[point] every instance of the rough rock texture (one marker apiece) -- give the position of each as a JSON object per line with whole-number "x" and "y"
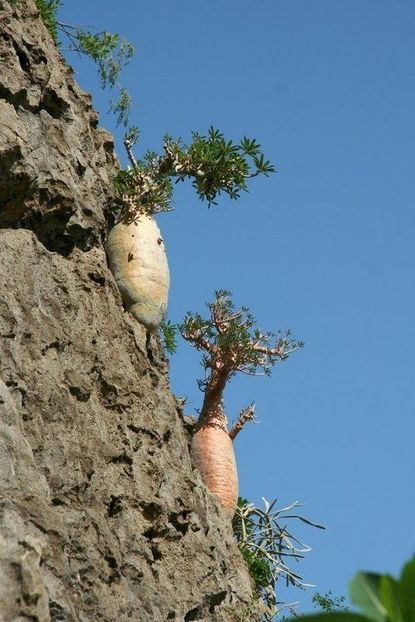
{"x": 55, "y": 165}
{"x": 102, "y": 514}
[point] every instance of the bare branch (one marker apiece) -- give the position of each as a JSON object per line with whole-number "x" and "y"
{"x": 128, "y": 146}
{"x": 246, "y": 414}
{"x": 71, "y": 36}
{"x": 277, "y": 351}
{"x": 235, "y": 316}
{"x": 281, "y": 350}
{"x": 197, "y": 338}
{"x": 250, "y": 372}
{"x": 216, "y": 319}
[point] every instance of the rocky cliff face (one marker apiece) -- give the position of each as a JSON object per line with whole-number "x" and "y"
{"x": 102, "y": 515}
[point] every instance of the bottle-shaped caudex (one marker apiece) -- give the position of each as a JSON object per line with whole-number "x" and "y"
{"x": 138, "y": 261}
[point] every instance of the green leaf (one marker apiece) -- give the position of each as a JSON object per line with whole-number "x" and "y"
{"x": 306, "y": 521}
{"x": 365, "y": 593}
{"x": 48, "y": 10}
{"x": 406, "y": 589}
{"x": 389, "y": 593}
{"x": 169, "y": 331}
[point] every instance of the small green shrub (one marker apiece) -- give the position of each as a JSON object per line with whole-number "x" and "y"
{"x": 48, "y": 12}
{"x": 109, "y": 51}
{"x": 267, "y": 546}
{"x": 168, "y": 333}
{"x": 258, "y": 569}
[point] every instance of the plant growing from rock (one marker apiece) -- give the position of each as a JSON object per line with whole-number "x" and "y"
{"x": 135, "y": 246}
{"x": 231, "y": 344}
{"x": 213, "y": 164}
{"x": 109, "y": 51}
{"x": 267, "y": 547}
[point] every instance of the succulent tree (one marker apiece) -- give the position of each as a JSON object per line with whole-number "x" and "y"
{"x": 214, "y": 165}
{"x": 231, "y": 343}
{"x": 135, "y": 246}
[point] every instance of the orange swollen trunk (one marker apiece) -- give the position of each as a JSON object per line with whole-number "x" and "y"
{"x": 212, "y": 452}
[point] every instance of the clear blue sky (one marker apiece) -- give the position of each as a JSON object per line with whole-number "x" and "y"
{"x": 326, "y": 246}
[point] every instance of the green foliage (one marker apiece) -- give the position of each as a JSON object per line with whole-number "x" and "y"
{"x": 258, "y": 569}
{"x": 266, "y": 545}
{"x": 217, "y": 165}
{"x": 232, "y": 336}
{"x": 169, "y": 331}
{"x": 329, "y": 603}
{"x": 365, "y": 592}
{"x": 48, "y": 13}
{"x": 109, "y": 51}
{"x": 122, "y": 107}
{"x": 143, "y": 188}
{"x": 380, "y": 598}
{"x": 214, "y": 165}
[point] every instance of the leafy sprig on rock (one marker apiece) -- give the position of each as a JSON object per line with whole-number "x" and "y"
{"x": 214, "y": 165}
{"x": 109, "y": 51}
{"x": 268, "y": 548}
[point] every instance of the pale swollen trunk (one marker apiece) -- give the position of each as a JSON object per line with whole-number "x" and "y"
{"x": 212, "y": 450}
{"x": 138, "y": 261}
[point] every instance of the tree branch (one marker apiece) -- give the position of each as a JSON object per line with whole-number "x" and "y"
{"x": 282, "y": 351}
{"x": 248, "y": 372}
{"x": 197, "y": 338}
{"x": 128, "y": 146}
{"x": 217, "y": 321}
{"x": 246, "y": 414}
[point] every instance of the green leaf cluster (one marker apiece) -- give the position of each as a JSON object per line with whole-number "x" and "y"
{"x": 214, "y": 165}
{"x": 111, "y": 53}
{"x": 108, "y": 50}
{"x": 258, "y": 569}
{"x": 122, "y": 107}
{"x": 169, "y": 332}
{"x": 232, "y": 335}
{"x": 217, "y": 165}
{"x": 328, "y": 602}
{"x": 267, "y": 547}
{"x": 143, "y": 189}
{"x": 257, "y": 564}
{"x": 379, "y": 597}
{"x": 48, "y": 13}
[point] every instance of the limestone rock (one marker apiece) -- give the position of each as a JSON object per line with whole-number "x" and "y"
{"x": 55, "y": 165}
{"x": 102, "y": 514}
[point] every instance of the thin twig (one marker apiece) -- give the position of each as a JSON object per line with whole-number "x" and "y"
{"x": 131, "y": 157}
